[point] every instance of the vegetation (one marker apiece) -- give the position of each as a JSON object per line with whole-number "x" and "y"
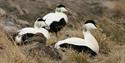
{"x": 110, "y": 34}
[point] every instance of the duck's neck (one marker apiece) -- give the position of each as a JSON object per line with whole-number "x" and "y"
{"x": 58, "y": 12}
{"x": 88, "y": 36}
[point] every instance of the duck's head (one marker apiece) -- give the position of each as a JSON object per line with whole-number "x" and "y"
{"x": 40, "y": 23}
{"x": 90, "y": 24}
{"x": 40, "y": 19}
{"x": 61, "y": 8}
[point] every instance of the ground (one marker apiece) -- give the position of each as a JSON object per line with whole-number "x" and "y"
{"x": 110, "y": 33}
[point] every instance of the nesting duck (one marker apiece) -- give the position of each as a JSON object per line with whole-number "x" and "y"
{"x": 55, "y": 21}
{"x": 87, "y": 45}
{"x": 29, "y": 34}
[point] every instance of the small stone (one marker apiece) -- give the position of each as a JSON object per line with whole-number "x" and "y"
{"x": 2, "y": 12}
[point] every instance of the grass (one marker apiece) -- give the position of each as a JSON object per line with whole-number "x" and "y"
{"x": 109, "y": 51}
{"x": 110, "y": 36}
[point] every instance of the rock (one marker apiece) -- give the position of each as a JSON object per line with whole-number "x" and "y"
{"x": 42, "y": 50}
{"x": 10, "y": 29}
{"x": 8, "y": 25}
{"x": 22, "y": 23}
{"x": 2, "y": 12}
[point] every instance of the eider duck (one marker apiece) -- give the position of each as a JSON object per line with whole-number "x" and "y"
{"x": 88, "y": 45}
{"x": 55, "y": 21}
{"x": 29, "y": 34}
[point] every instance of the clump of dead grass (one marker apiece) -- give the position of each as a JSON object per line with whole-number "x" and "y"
{"x": 103, "y": 41}
{"x": 74, "y": 57}
{"x": 119, "y": 8}
{"x": 109, "y": 51}
{"x": 10, "y": 53}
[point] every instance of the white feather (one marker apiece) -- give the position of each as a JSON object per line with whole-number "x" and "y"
{"x": 57, "y": 16}
{"x": 89, "y": 40}
{"x": 33, "y": 31}
{"x": 51, "y": 17}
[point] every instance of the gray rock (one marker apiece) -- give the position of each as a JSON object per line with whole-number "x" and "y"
{"x": 42, "y": 50}
{"x": 2, "y": 12}
{"x": 22, "y": 23}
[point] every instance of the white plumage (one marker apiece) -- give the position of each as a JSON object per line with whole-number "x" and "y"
{"x": 57, "y": 16}
{"x": 73, "y": 40}
{"x": 55, "y": 21}
{"x": 23, "y": 31}
{"x": 40, "y": 23}
{"x": 88, "y": 41}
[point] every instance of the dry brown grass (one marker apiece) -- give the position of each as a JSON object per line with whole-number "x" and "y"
{"x": 119, "y": 8}
{"x": 109, "y": 53}
{"x": 109, "y": 35}
{"x": 10, "y": 53}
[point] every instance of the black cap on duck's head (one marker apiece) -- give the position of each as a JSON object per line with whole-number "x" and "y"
{"x": 90, "y": 21}
{"x": 40, "y": 19}
{"x": 60, "y": 6}
{"x": 40, "y": 23}
{"x": 90, "y": 24}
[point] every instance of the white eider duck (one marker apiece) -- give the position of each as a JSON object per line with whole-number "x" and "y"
{"x": 87, "y": 45}
{"x": 31, "y": 34}
{"x": 55, "y": 21}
